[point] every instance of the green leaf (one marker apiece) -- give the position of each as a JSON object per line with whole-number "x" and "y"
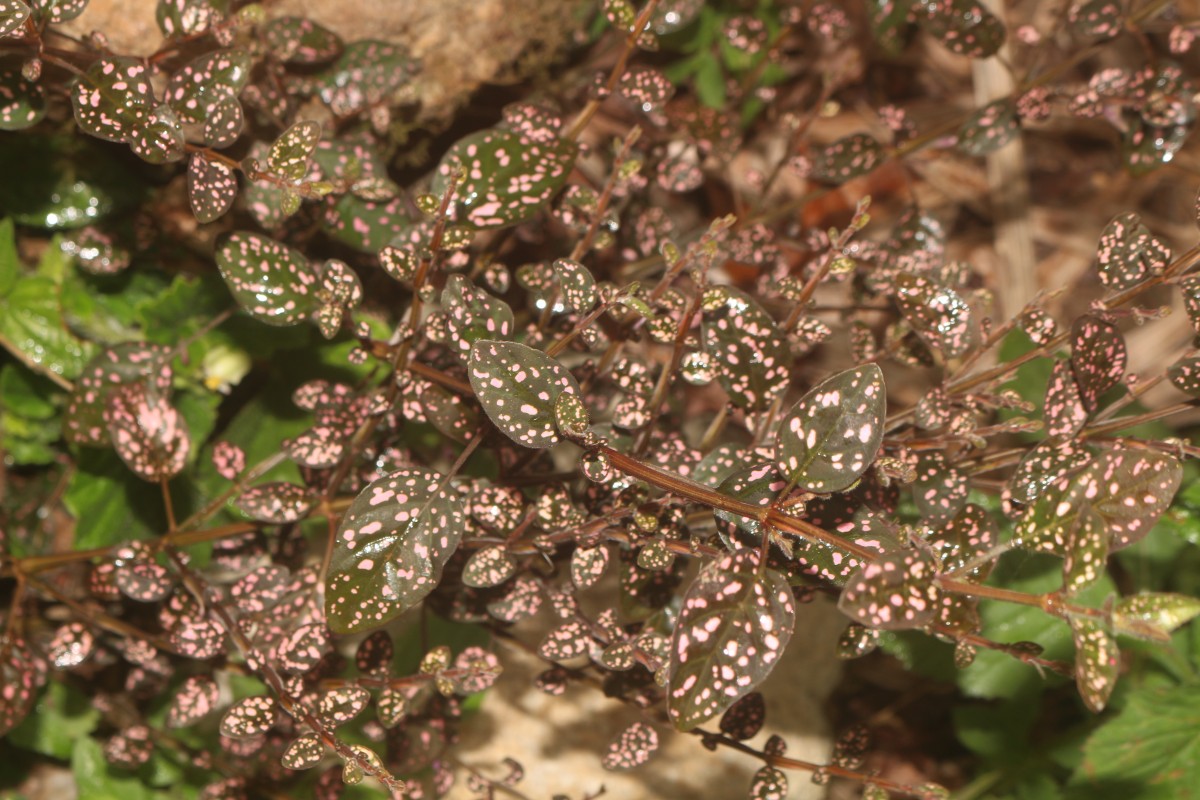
{"x": 747, "y": 347}
{"x": 893, "y": 592}
{"x": 10, "y": 260}
{"x": 889, "y": 20}
{"x": 26, "y": 393}
{"x": 1128, "y": 489}
{"x": 1151, "y": 750}
{"x": 32, "y": 324}
{"x": 268, "y": 279}
{"x": 22, "y": 102}
{"x": 113, "y": 99}
{"x": 1153, "y": 615}
{"x": 299, "y": 40}
{"x": 938, "y": 313}
{"x": 509, "y": 177}
{"x": 390, "y": 549}
{"x": 472, "y": 314}
{"x": 62, "y": 715}
{"x": 96, "y": 779}
{"x": 367, "y": 74}
{"x": 13, "y": 14}
{"x": 735, "y": 623}
{"x": 1184, "y": 375}
{"x": 60, "y": 182}
{"x": 517, "y": 387}
{"x": 289, "y": 154}
{"x": 212, "y": 187}
{"x": 111, "y": 504}
{"x": 1097, "y": 662}
{"x": 831, "y": 436}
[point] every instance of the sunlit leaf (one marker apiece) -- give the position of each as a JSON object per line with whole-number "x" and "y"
{"x": 289, "y": 154}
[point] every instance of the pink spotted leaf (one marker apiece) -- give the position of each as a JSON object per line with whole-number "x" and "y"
{"x": 304, "y": 752}
{"x": 249, "y": 717}
{"x": 1129, "y": 490}
{"x": 339, "y": 293}
{"x": 1063, "y": 407}
{"x": 338, "y": 706}
{"x": 489, "y": 566}
{"x": 577, "y": 284}
{"x": 1128, "y": 253}
{"x": 847, "y": 158}
{"x": 13, "y": 14}
{"x": 270, "y": 280}
{"x": 744, "y": 719}
{"x": 937, "y": 313}
{"x": 279, "y": 502}
{"x": 199, "y": 89}
{"x": 159, "y": 139}
{"x": 1096, "y": 19}
{"x": 198, "y": 638}
{"x": 896, "y": 591}
{"x": 366, "y": 74}
{"x": 22, "y": 102}
{"x": 290, "y": 152}
{"x": 568, "y": 641}
{"x": 390, "y": 549}
{"x": 768, "y": 783}
{"x": 303, "y": 648}
{"x": 142, "y": 580}
{"x": 1184, "y": 375}
{"x": 1190, "y": 287}
{"x": 113, "y": 98}
{"x": 1153, "y": 615}
{"x": 228, "y": 459}
{"x": 130, "y": 748}
{"x": 510, "y": 177}
{"x": 735, "y": 623}
{"x": 71, "y": 645}
{"x": 965, "y": 27}
{"x": 1097, "y": 662}
{"x": 633, "y": 747}
{"x": 940, "y": 490}
{"x": 1098, "y": 358}
{"x": 374, "y": 653}
{"x": 832, "y": 435}
{"x": 517, "y": 386}
{"x": 588, "y": 565}
{"x": 299, "y": 40}
{"x": 522, "y": 600}
{"x": 195, "y": 699}
{"x": 185, "y": 17}
{"x": 1044, "y": 465}
{"x": 149, "y": 434}
{"x": 1086, "y": 557}
{"x": 473, "y": 315}
{"x": 835, "y": 565}
{"x": 989, "y": 128}
{"x": 970, "y": 534}
{"x": 750, "y": 354}
{"x": 212, "y": 187}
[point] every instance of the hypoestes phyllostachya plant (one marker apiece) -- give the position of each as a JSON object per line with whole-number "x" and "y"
{"x": 301, "y": 445}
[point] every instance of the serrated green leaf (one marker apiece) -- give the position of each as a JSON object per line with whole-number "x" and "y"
{"x": 390, "y": 549}
{"x": 268, "y": 279}
{"x": 517, "y": 387}
{"x": 62, "y": 714}
{"x": 831, "y": 436}
{"x": 32, "y": 324}
{"x": 509, "y": 178}
{"x": 735, "y": 623}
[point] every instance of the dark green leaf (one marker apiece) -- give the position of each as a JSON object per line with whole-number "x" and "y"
{"x": 22, "y": 103}
{"x": 889, "y": 20}
{"x": 270, "y": 280}
{"x": 186, "y": 17}
{"x": 19, "y": 675}
{"x": 847, "y": 158}
{"x": 965, "y": 27}
{"x": 13, "y": 14}
{"x": 390, "y": 549}
{"x": 749, "y": 351}
{"x": 517, "y": 387}
{"x": 831, "y": 436}
{"x": 113, "y": 99}
{"x": 1185, "y": 375}
{"x": 1097, "y": 662}
{"x": 989, "y": 128}
{"x": 299, "y": 40}
{"x": 368, "y": 73}
{"x": 509, "y": 178}
{"x": 735, "y": 623}
{"x": 1095, "y": 19}
{"x": 1098, "y": 358}
{"x": 1043, "y": 466}
{"x": 212, "y": 187}
{"x": 938, "y": 313}
{"x": 893, "y": 592}
{"x": 1128, "y": 253}
{"x": 473, "y": 314}
{"x": 1063, "y": 408}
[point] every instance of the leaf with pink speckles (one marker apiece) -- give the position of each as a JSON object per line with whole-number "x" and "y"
{"x": 339, "y": 293}
{"x": 290, "y": 152}
{"x": 744, "y": 719}
{"x": 472, "y": 314}
{"x": 1128, "y": 253}
{"x": 130, "y": 748}
{"x": 71, "y": 646}
{"x": 517, "y": 387}
{"x": 278, "y": 502}
{"x": 1153, "y": 615}
{"x": 768, "y": 783}
{"x": 632, "y": 748}
{"x": 249, "y": 717}
{"x": 522, "y": 600}
{"x": 368, "y": 73}
{"x": 212, "y": 187}
{"x": 22, "y": 102}
{"x": 185, "y": 17}
{"x": 1038, "y": 325}
{"x": 1045, "y": 465}
{"x": 1184, "y": 374}
{"x": 1098, "y": 358}
{"x": 195, "y": 699}
{"x": 750, "y": 354}
{"x": 568, "y": 641}
{"x": 1063, "y": 406}
{"x": 830, "y": 563}
{"x": 965, "y": 27}
{"x": 303, "y": 648}
{"x": 894, "y": 592}
{"x": 299, "y": 40}
{"x": 588, "y": 565}
{"x": 647, "y": 88}
{"x": 270, "y": 280}
{"x": 304, "y": 752}
{"x": 159, "y": 138}
{"x": 198, "y": 638}
{"x": 149, "y": 434}
{"x": 338, "y": 706}
{"x": 142, "y": 580}
{"x": 1190, "y": 287}
{"x": 940, "y": 490}
{"x": 390, "y": 549}
{"x": 577, "y": 284}
{"x": 13, "y": 14}
{"x": 228, "y": 459}
{"x": 832, "y": 435}
{"x": 113, "y": 99}
{"x": 989, "y": 128}
{"x": 937, "y": 313}
{"x": 1129, "y": 489}
{"x": 509, "y": 177}
{"x": 970, "y": 534}
{"x": 1097, "y": 662}
{"x": 735, "y": 622}
{"x": 847, "y": 158}
{"x": 1086, "y": 559}
{"x": 489, "y": 566}
{"x": 1096, "y": 19}
{"x": 20, "y": 681}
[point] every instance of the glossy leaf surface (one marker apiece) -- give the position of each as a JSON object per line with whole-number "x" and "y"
{"x": 517, "y": 386}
